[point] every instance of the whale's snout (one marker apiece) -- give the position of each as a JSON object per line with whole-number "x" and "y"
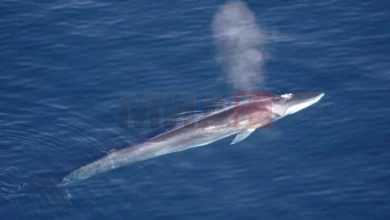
{"x": 299, "y": 101}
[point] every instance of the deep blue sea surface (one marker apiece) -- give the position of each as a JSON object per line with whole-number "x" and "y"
{"x": 64, "y": 66}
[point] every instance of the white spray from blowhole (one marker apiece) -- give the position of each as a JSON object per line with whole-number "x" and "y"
{"x": 240, "y": 44}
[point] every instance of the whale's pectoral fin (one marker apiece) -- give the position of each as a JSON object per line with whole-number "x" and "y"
{"x": 242, "y": 135}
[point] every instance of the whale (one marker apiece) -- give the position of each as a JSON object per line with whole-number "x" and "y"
{"x": 240, "y": 119}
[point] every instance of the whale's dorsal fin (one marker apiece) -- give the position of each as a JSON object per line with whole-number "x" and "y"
{"x": 242, "y": 135}
{"x": 111, "y": 151}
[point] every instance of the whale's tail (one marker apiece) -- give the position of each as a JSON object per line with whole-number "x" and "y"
{"x": 101, "y": 165}
{"x": 112, "y": 161}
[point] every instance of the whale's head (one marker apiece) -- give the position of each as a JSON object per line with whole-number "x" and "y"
{"x": 291, "y": 103}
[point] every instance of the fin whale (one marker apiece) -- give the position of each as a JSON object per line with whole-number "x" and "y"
{"x": 206, "y": 130}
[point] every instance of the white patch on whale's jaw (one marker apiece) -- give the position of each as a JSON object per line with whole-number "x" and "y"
{"x": 278, "y": 110}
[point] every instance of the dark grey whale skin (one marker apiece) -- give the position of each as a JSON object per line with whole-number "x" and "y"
{"x": 203, "y": 131}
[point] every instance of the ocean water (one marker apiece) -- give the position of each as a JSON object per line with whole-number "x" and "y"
{"x": 66, "y": 64}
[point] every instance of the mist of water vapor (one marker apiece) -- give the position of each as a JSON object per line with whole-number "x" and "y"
{"x": 240, "y": 45}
